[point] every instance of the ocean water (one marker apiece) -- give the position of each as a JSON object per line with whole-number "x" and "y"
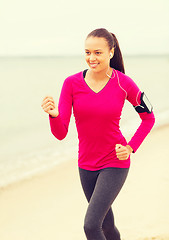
{"x": 27, "y": 146}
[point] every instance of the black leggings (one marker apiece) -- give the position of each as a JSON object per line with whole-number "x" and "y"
{"x": 101, "y": 188}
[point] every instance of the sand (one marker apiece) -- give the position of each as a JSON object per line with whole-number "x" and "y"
{"x": 52, "y": 205}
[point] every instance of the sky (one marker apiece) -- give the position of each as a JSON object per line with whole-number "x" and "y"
{"x": 52, "y": 27}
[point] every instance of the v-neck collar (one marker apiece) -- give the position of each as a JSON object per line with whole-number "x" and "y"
{"x": 84, "y": 73}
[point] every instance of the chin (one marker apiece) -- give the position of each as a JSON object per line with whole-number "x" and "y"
{"x": 97, "y": 69}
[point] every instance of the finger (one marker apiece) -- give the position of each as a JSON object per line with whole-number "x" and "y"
{"x": 48, "y": 97}
{"x": 48, "y": 109}
{"x": 123, "y": 157}
{"x": 46, "y": 105}
{"x": 123, "y": 152}
{"x": 49, "y": 104}
{"x": 122, "y": 149}
{"x": 47, "y": 101}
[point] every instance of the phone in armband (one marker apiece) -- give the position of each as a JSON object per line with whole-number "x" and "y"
{"x": 145, "y": 105}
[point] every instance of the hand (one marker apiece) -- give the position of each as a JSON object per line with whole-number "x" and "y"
{"x": 123, "y": 152}
{"x": 49, "y": 106}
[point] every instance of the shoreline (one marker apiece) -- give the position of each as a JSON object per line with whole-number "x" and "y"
{"x": 51, "y": 204}
{"x": 42, "y": 172}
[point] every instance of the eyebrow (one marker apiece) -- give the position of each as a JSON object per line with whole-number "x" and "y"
{"x": 96, "y": 49}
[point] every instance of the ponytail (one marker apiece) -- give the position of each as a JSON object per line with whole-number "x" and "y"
{"x": 117, "y": 61}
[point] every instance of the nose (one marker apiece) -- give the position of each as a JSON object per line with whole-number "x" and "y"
{"x": 92, "y": 57}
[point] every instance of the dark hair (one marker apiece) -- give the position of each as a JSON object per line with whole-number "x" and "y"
{"x": 117, "y": 61}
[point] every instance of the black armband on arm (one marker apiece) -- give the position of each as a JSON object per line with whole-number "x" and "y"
{"x": 145, "y": 105}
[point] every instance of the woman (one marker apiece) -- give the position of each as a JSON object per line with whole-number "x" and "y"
{"x": 97, "y": 95}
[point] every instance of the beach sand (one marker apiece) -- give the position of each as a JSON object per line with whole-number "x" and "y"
{"x": 52, "y": 205}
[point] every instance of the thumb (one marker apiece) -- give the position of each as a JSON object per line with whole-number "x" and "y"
{"x": 118, "y": 146}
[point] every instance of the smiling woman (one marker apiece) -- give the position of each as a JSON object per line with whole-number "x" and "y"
{"x": 97, "y": 57}
{"x": 101, "y": 58}
{"x": 110, "y": 44}
{"x": 97, "y": 96}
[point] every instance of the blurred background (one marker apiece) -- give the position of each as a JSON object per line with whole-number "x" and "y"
{"x": 42, "y": 43}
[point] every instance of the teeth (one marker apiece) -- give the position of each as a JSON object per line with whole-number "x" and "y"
{"x": 93, "y": 64}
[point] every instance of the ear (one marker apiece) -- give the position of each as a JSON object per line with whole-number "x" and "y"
{"x": 112, "y": 53}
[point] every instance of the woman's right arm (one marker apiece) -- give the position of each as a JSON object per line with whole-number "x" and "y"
{"x": 59, "y": 117}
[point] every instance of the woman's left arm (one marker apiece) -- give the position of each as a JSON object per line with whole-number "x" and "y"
{"x": 135, "y": 97}
{"x": 148, "y": 120}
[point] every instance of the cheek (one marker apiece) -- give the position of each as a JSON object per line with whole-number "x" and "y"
{"x": 86, "y": 57}
{"x": 108, "y": 60}
{"x": 105, "y": 61}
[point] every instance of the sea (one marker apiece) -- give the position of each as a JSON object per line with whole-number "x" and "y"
{"x": 27, "y": 146}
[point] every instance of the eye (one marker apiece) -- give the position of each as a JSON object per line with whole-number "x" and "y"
{"x": 87, "y": 52}
{"x": 98, "y": 53}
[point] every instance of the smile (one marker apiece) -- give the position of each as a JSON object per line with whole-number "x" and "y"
{"x": 94, "y": 65}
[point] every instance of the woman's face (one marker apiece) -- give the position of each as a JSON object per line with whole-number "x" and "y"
{"x": 97, "y": 53}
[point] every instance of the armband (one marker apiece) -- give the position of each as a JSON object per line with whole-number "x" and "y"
{"x": 145, "y": 105}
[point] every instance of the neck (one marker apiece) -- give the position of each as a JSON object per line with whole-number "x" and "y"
{"x": 106, "y": 73}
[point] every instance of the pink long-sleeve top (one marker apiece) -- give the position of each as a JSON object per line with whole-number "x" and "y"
{"x": 97, "y": 117}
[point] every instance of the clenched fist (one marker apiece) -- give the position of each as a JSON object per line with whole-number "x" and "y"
{"x": 49, "y": 106}
{"x": 123, "y": 152}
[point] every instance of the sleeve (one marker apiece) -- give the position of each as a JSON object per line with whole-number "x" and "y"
{"x": 147, "y": 119}
{"x": 59, "y": 125}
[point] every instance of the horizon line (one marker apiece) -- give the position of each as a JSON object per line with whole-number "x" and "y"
{"x": 81, "y": 55}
